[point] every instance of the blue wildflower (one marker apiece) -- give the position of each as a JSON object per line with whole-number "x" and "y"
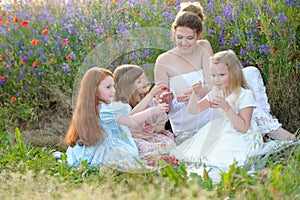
{"x": 66, "y": 68}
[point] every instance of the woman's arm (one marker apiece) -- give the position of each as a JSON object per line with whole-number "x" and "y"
{"x": 160, "y": 72}
{"x": 208, "y": 52}
{"x": 207, "y": 46}
{"x": 161, "y": 75}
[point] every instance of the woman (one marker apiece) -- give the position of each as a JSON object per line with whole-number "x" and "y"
{"x": 188, "y": 63}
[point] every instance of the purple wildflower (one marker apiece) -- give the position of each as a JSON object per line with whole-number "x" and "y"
{"x": 242, "y": 52}
{"x": 66, "y": 69}
{"x": 227, "y": 12}
{"x": 235, "y": 39}
{"x": 264, "y": 49}
{"x": 281, "y": 18}
{"x": 210, "y": 32}
{"x": 218, "y": 20}
{"x": 266, "y": 7}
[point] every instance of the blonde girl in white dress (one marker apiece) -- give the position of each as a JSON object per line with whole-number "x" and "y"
{"x": 233, "y": 135}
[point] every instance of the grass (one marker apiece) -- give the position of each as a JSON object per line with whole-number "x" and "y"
{"x": 29, "y": 172}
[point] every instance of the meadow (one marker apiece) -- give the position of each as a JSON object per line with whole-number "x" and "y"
{"x": 46, "y": 46}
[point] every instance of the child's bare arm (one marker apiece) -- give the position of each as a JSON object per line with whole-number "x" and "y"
{"x": 135, "y": 119}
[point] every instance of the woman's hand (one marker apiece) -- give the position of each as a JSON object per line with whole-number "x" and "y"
{"x": 166, "y": 97}
{"x": 158, "y": 88}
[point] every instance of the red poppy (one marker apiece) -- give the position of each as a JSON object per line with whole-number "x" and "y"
{"x": 35, "y": 64}
{"x": 6, "y": 23}
{"x": 13, "y": 99}
{"x": 34, "y": 42}
{"x": 68, "y": 57}
{"x": 65, "y": 41}
{"x": 24, "y": 23}
{"x": 2, "y": 78}
{"x": 1, "y": 20}
{"x": 23, "y": 60}
{"x": 16, "y": 20}
{"x": 45, "y": 32}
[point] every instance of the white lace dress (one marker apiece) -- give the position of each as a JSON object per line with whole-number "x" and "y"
{"x": 261, "y": 114}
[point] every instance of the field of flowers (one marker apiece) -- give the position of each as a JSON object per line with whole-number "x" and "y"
{"x": 46, "y": 46}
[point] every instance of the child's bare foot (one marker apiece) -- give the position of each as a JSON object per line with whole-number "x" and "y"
{"x": 282, "y": 134}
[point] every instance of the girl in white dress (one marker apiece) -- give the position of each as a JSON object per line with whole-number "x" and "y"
{"x": 233, "y": 134}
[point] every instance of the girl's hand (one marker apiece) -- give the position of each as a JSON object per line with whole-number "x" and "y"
{"x": 219, "y": 102}
{"x": 197, "y": 87}
{"x": 161, "y": 108}
{"x": 147, "y": 128}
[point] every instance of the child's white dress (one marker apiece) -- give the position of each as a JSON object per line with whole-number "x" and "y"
{"x": 218, "y": 143}
{"x": 118, "y": 148}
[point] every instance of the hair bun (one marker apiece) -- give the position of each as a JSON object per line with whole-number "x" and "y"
{"x": 194, "y": 7}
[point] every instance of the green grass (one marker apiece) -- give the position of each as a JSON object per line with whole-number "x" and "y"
{"x": 33, "y": 173}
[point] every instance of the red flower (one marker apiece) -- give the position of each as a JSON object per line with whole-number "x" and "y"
{"x": 274, "y": 49}
{"x": 1, "y": 20}
{"x": 45, "y": 32}
{"x": 23, "y": 60}
{"x": 65, "y": 41}
{"x": 35, "y": 42}
{"x": 2, "y": 78}
{"x": 13, "y": 99}
{"x": 68, "y": 57}
{"x": 6, "y": 23}
{"x": 16, "y": 20}
{"x": 24, "y": 23}
{"x": 35, "y": 64}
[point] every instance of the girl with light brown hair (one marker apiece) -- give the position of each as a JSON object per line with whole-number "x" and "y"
{"x": 150, "y": 136}
{"x": 99, "y": 132}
